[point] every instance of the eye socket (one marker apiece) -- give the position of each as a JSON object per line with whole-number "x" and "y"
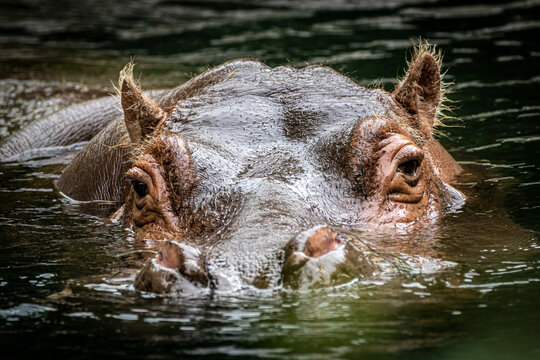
{"x": 407, "y": 185}
{"x": 140, "y": 188}
{"x": 409, "y": 167}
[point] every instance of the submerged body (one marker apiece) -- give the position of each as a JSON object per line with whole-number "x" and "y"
{"x": 248, "y": 175}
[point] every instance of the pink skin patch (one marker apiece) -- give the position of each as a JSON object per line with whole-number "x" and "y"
{"x": 170, "y": 256}
{"x": 321, "y": 242}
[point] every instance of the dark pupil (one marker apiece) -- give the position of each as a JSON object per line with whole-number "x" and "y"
{"x": 409, "y": 167}
{"x": 140, "y": 188}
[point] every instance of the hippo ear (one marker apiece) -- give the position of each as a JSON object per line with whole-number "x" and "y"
{"x": 141, "y": 114}
{"x": 420, "y": 92}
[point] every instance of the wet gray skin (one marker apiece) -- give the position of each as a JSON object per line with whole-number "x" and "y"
{"x": 253, "y": 176}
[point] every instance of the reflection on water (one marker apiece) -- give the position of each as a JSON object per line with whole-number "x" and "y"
{"x": 62, "y": 285}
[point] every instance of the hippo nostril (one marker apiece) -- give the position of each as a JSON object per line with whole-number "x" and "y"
{"x": 178, "y": 267}
{"x": 312, "y": 258}
{"x": 315, "y": 242}
{"x": 321, "y": 242}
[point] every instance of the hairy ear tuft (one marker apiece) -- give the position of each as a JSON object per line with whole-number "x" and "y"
{"x": 141, "y": 113}
{"x": 420, "y": 91}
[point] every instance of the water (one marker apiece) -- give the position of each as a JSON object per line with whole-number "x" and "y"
{"x": 484, "y": 307}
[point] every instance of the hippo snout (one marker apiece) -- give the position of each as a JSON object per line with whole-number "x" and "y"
{"x": 314, "y": 258}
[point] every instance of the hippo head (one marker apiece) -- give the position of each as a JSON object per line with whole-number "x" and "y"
{"x": 244, "y": 166}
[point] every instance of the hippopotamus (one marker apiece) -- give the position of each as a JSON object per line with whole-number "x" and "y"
{"x": 248, "y": 175}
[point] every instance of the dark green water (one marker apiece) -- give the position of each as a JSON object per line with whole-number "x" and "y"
{"x": 485, "y": 307}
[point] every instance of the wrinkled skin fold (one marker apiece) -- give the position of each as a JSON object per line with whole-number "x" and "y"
{"x": 255, "y": 176}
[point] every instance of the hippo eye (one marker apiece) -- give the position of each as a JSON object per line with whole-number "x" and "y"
{"x": 409, "y": 162}
{"x": 139, "y": 187}
{"x": 408, "y": 183}
{"x": 409, "y": 167}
